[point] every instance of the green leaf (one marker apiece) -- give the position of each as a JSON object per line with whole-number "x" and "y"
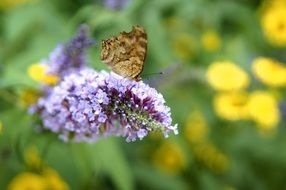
{"x": 154, "y": 179}
{"x": 108, "y": 158}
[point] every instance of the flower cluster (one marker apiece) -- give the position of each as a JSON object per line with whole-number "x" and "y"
{"x": 234, "y": 103}
{"x": 88, "y": 105}
{"x": 67, "y": 58}
{"x": 85, "y": 105}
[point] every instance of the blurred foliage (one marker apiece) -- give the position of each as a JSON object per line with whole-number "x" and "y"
{"x": 231, "y": 137}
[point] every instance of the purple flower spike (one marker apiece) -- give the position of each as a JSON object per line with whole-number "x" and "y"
{"x": 70, "y": 56}
{"x": 88, "y": 105}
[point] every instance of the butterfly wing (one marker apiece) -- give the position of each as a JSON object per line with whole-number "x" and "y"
{"x": 125, "y": 54}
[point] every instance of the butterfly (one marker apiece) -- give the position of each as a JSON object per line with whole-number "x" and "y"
{"x": 126, "y": 53}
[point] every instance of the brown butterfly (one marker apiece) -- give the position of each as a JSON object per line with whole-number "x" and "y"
{"x": 125, "y": 54}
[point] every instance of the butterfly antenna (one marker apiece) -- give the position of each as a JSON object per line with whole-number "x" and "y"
{"x": 150, "y": 74}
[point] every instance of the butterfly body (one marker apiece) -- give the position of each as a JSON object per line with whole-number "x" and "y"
{"x": 125, "y": 54}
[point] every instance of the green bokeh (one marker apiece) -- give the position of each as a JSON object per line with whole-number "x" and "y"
{"x": 29, "y": 31}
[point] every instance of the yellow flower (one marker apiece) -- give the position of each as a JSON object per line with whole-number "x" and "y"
{"x": 45, "y": 179}
{"x": 211, "y": 41}
{"x": 273, "y": 22}
{"x": 27, "y": 181}
{"x": 32, "y": 158}
{"x": 48, "y": 180}
{"x": 196, "y": 128}
{"x": 183, "y": 46}
{"x": 170, "y": 158}
{"x": 270, "y": 72}
{"x": 38, "y": 73}
{"x": 210, "y": 156}
{"x": 54, "y": 181}
{"x": 226, "y": 76}
{"x": 8, "y": 4}
{"x": 263, "y": 109}
{"x": 231, "y": 106}
{"x": 29, "y": 97}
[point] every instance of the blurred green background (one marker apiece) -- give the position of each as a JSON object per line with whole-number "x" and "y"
{"x": 224, "y": 79}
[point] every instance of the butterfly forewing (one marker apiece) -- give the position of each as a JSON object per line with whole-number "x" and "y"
{"x": 125, "y": 54}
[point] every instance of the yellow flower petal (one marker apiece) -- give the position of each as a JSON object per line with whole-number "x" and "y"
{"x": 273, "y": 22}
{"x": 231, "y": 106}
{"x": 49, "y": 179}
{"x": 226, "y": 76}
{"x": 270, "y": 72}
{"x": 54, "y": 181}
{"x": 38, "y": 73}
{"x": 27, "y": 181}
{"x": 263, "y": 108}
